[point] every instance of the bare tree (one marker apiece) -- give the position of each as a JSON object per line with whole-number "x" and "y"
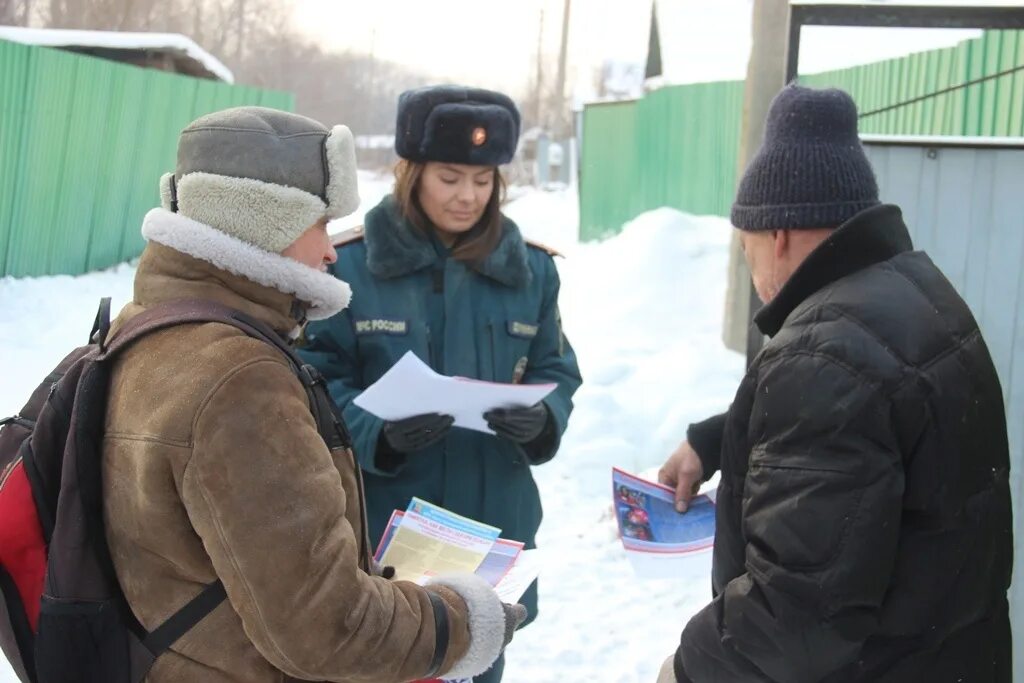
{"x": 349, "y": 88}
{"x": 15, "y": 12}
{"x": 255, "y": 39}
{"x": 112, "y": 15}
{"x": 544, "y": 104}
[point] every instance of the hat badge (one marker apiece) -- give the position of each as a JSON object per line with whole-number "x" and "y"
{"x": 479, "y": 136}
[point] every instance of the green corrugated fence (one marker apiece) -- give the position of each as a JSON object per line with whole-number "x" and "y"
{"x": 678, "y": 146}
{"x": 83, "y": 142}
{"x": 675, "y": 147}
{"x": 991, "y": 108}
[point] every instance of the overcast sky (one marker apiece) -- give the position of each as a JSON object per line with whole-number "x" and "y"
{"x": 493, "y": 43}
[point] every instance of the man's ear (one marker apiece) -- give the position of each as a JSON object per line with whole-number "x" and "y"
{"x": 780, "y": 242}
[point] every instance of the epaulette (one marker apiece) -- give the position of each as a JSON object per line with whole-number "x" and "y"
{"x": 348, "y": 237}
{"x": 551, "y": 251}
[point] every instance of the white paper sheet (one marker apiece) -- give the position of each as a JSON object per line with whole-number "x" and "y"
{"x": 524, "y": 572}
{"x": 411, "y": 388}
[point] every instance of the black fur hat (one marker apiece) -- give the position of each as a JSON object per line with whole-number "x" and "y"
{"x": 458, "y": 125}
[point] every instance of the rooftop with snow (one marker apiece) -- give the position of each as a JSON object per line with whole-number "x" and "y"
{"x": 166, "y": 51}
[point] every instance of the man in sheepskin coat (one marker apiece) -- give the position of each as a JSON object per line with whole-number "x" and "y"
{"x": 213, "y": 465}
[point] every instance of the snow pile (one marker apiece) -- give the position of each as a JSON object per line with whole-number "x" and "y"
{"x": 42, "y": 319}
{"x": 643, "y": 311}
{"x": 550, "y": 218}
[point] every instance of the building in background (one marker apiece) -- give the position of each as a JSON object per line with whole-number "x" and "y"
{"x": 170, "y": 52}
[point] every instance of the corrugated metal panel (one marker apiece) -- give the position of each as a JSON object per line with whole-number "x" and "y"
{"x": 995, "y": 107}
{"x": 607, "y": 168}
{"x": 678, "y": 146}
{"x": 962, "y": 206}
{"x": 14, "y": 61}
{"x": 688, "y": 139}
{"x": 83, "y": 143}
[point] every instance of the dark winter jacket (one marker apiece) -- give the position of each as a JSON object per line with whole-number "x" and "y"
{"x": 498, "y": 322}
{"x": 864, "y": 526}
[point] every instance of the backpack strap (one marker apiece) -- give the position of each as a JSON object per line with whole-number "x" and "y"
{"x": 179, "y": 623}
{"x": 101, "y": 326}
{"x": 162, "y": 316}
{"x": 186, "y": 311}
{"x": 328, "y": 419}
{"x": 329, "y": 423}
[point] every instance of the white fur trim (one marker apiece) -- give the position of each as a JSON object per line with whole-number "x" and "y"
{"x": 165, "y": 190}
{"x": 325, "y": 293}
{"x": 486, "y": 624}
{"x": 263, "y": 214}
{"x": 342, "y": 183}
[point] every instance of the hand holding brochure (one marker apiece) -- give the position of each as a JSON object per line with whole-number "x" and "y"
{"x": 655, "y": 536}
{"x": 427, "y": 540}
{"x": 411, "y": 388}
{"x": 430, "y": 541}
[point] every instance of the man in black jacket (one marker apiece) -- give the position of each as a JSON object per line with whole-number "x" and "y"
{"x": 864, "y": 525}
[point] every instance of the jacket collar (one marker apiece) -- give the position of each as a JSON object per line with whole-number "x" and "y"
{"x": 395, "y": 248}
{"x": 872, "y": 236}
{"x": 250, "y": 272}
{"x": 165, "y": 274}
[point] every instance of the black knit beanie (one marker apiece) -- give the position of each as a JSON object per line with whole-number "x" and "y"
{"x": 811, "y": 171}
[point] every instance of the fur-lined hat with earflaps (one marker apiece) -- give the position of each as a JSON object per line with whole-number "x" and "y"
{"x": 248, "y": 182}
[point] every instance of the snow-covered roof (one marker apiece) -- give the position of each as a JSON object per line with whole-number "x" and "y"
{"x": 116, "y": 40}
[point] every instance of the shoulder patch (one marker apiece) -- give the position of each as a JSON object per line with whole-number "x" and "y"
{"x": 551, "y": 251}
{"x": 348, "y": 237}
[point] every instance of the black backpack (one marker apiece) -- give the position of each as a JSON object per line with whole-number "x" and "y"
{"x": 64, "y": 617}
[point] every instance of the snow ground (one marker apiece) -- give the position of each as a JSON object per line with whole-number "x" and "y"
{"x": 643, "y": 311}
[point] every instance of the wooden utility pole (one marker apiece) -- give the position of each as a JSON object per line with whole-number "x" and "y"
{"x": 653, "y": 67}
{"x": 560, "y": 99}
{"x": 240, "y": 20}
{"x": 371, "y": 94}
{"x": 766, "y": 74}
{"x": 538, "y": 86}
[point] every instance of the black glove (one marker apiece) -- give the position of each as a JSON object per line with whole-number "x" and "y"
{"x": 417, "y": 432}
{"x": 521, "y": 425}
{"x": 514, "y": 615}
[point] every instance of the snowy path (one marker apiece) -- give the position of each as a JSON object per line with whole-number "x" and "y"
{"x": 643, "y": 311}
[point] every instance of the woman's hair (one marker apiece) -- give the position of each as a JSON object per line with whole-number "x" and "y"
{"x": 477, "y": 244}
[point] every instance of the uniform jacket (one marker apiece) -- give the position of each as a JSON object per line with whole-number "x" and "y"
{"x": 498, "y": 321}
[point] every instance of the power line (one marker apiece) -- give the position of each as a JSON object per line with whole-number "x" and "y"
{"x": 938, "y": 93}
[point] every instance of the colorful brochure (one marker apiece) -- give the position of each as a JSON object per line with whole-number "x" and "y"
{"x": 426, "y": 540}
{"x": 430, "y": 541}
{"x": 504, "y": 564}
{"x": 650, "y": 528}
